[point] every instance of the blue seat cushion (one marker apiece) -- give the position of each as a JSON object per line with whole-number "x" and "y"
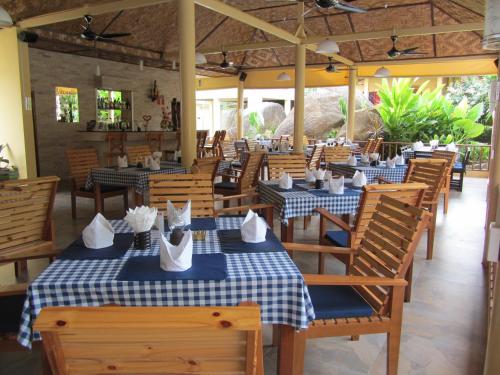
{"x": 338, "y": 301}
{"x": 458, "y": 165}
{"x": 225, "y": 185}
{"x": 11, "y": 308}
{"x": 337, "y": 237}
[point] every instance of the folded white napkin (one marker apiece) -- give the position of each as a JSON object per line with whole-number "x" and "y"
{"x": 352, "y": 161}
{"x": 98, "y": 234}
{"x": 319, "y": 174}
{"x": 154, "y": 164}
{"x": 374, "y": 156}
{"x": 434, "y": 143}
{"x": 310, "y": 177}
{"x": 160, "y": 222}
{"x": 451, "y": 147}
{"x": 359, "y": 179}
{"x": 336, "y": 185}
{"x": 285, "y": 181}
{"x": 173, "y": 213}
{"x": 365, "y": 158}
{"x": 157, "y": 155}
{"x": 254, "y": 228}
{"x": 390, "y": 163}
{"x": 141, "y": 219}
{"x": 122, "y": 161}
{"x": 400, "y": 160}
{"x": 417, "y": 146}
{"x": 176, "y": 258}
{"x": 328, "y": 175}
{"x": 177, "y": 154}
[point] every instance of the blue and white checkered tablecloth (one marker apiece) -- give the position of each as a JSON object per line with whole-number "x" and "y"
{"x": 302, "y": 203}
{"x": 270, "y": 279}
{"x": 395, "y": 175}
{"x": 136, "y": 178}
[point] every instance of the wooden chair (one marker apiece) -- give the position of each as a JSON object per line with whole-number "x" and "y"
{"x": 245, "y": 179}
{"x": 152, "y": 340}
{"x": 26, "y": 230}
{"x": 228, "y": 151}
{"x": 460, "y": 168}
{"x": 177, "y": 145}
{"x": 201, "y": 138}
{"x": 206, "y": 165}
{"x": 450, "y": 157}
{"x": 337, "y": 154}
{"x": 431, "y": 172}
{"x": 316, "y": 157}
{"x": 115, "y": 146}
{"x": 293, "y": 164}
{"x": 154, "y": 140}
{"x": 211, "y": 148}
{"x": 370, "y": 299}
{"x": 81, "y": 161}
{"x": 137, "y": 154}
{"x": 376, "y": 145}
{"x": 241, "y": 147}
{"x": 366, "y": 148}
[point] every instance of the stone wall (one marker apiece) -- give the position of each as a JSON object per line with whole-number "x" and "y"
{"x": 50, "y": 69}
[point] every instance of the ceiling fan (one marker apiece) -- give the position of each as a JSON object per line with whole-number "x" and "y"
{"x": 328, "y": 4}
{"x": 225, "y": 64}
{"x": 395, "y": 52}
{"x": 332, "y": 68}
{"x": 92, "y": 36}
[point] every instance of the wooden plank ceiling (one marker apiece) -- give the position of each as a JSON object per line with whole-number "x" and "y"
{"x": 154, "y": 31}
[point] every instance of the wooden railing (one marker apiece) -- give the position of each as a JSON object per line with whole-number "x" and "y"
{"x": 479, "y": 157}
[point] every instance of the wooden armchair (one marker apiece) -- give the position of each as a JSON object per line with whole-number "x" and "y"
{"x": 431, "y": 172}
{"x": 206, "y": 165}
{"x": 152, "y": 340}
{"x": 316, "y": 157}
{"x": 81, "y": 161}
{"x": 293, "y": 164}
{"x": 244, "y": 179}
{"x": 370, "y": 299}
{"x": 376, "y": 145}
{"x": 366, "y": 148}
{"x": 26, "y": 230}
{"x": 460, "y": 168}
{"x": 211, "y": 148}
{"x": 201, "y": 138}
{"x": 177, "y": 145}
{"x": 137, "y": 154}
{"x": 337, "y": 154}
{"x": 450, "y": 157}
{"x": 154, "y": 140}
{"x": 116, "y": 146}
{"x": 241, "y": 147}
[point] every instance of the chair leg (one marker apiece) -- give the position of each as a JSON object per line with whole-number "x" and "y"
{"x": 307, "y": 220}
{"x": 321, "y": 263}
{"x": 409, "y": 279}
{"x": 431, "y": 232}
{"x": 21, "y": 269}
{"x": 446, "y": 200}
{"x": 291, "y": 351}
{"x": 276, "y": 335}
{"x": 125, "y": 200}
{"x": 73, "y": 205}
{"x": 394, "y": 333}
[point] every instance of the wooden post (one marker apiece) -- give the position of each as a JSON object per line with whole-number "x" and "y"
{"x": 351, "y": 104}
{"x": 186, "y": 22}
{"x": 239, "y": 116}
{"x": 300, "y": 80}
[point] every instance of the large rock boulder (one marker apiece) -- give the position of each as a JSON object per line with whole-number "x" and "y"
{"x": 269, "y": 114}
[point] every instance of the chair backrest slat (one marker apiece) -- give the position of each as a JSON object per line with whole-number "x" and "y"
{"x": 431, "y": 172}
{"x": 315, "y": 158}
{"x": 25, "y": 211}
{"x": 206, "y": 165}
{"x": 376, "y": 145}
{"x": 228, "y": 151}
{"x": 368, "y": 146}
{"x": 152, "y": 340}
{"x": 250, "y": 171}
{"x": 180, "y": 188}
{"x": 337, "y": 154}
{"x": 382, "y": 255}
{"x": 137, "y": 154}
{"x": 293, "y": 164}
{"x": 81, "y": 161}
{"x": 449, "y": 156}
{"x": 154, "y": 140}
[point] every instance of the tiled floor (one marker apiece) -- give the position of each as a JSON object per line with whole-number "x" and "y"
{"x": 444, "y": 325}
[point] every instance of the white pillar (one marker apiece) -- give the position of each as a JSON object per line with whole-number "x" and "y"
{"x": 239, "y": 113}
{"x": 351, "y": 103}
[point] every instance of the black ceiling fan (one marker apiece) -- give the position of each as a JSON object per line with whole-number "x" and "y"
{"x": 92, "y": 36}
{"x": 225, "y": 64}
{"x": 332, "y": 68}
{"x": 329, "y": 4}
{"x": 395, "y": 52}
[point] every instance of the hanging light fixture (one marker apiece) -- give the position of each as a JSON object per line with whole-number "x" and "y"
{"x": 328, "y": 46}
{"x": 141, "y": 65}
{"x": 382, "y": 72}
{"x": 98, "y": 70}
{"x": 200, "y": 58}
{"x": 491, "y": 39}
{"x": 283, "y": 77}
{"x": 174, "y": 65}
{"x": 5, "y": 19}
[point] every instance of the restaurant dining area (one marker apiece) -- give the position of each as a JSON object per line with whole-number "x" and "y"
{"x": 250, "y": 187}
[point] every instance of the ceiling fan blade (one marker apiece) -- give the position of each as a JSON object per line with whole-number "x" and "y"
{"x": 349, "y": 8}
{"x": 413, "y": 53}
{"x": 409, "y": 50}
{"x": 114, "y": 35}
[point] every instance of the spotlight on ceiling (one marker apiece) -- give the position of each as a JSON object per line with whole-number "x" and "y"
{"x": 328, "y": 46}
{"x": 382, "y": 72}
{"x": 283, "y": 77}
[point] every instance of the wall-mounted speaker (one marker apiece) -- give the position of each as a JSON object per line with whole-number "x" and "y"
{"x": 243, "y": 76}
{"x": 27, "y": 37}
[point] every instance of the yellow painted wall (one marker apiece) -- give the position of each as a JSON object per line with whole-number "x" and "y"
{"x": 16, "y": 122}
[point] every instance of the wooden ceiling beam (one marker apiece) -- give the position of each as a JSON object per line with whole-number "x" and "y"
{"x": 240, "y": 16}
{"x": 475, "y": 6}
{"x": 94, "y": 10}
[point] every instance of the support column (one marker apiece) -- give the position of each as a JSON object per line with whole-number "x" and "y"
{"x": 186, "y": 22}
{"x": 351, "y": 103}
{"x": 240, "y": 108}
{"x": 300, "y": 81}
{"x": 16, "y": 117}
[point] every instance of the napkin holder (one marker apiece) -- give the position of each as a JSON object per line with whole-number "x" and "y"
{"x": 142, "y": 241}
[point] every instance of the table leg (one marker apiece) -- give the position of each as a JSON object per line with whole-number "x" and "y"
{"x": 291, "y": 351}
{"x": 98, "y": 198}
{"x": 138, "y": 199}
{"x": 287, "y": 231}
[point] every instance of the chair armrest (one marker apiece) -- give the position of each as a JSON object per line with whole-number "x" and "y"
{"x": 310, "y": 248}
{"x": 312, "y": 279}
{"x": 239, "y": 196}
{"x": 257, "y": 206}
{"x": 229, "y": 175}
{"x": 383, "y": 180}
{"x": 13, "y": 289}
{"x": 334, "y": 219}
